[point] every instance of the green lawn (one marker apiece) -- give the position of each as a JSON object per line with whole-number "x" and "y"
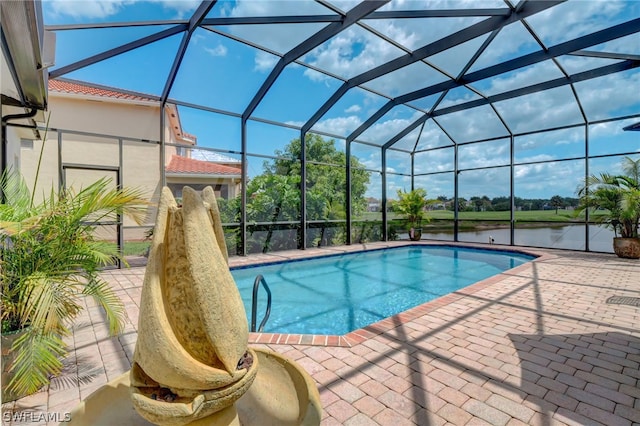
{"x": 525, "y": 216}
{"x": 521, "y": 216}
{"x": 474, "y": 219}
{"x": 136, "y": 248}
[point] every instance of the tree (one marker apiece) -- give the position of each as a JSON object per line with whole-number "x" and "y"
{"x": 274, "y": 195}
{"x": 617, "y": 197}
{"x": 557, "y": 201}
{"x": 411, "y": 205}
{"x": 326, "y": 184}
{"x": 462, "y": 204}
{"x": 501, "y": 203}
{"x": 50, "y": 261}
{"x": 482, "y": 203}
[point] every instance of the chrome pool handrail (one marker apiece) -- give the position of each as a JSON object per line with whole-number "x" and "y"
{"x": 254, "y": 305}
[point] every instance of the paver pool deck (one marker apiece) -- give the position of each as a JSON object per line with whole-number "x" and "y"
{"x": 555, "y": 341}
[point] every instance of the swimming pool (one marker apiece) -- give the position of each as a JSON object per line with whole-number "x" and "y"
{"x": 341, "y": 293}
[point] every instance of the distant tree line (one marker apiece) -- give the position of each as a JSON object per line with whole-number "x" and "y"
{"x": 503, "y": 203}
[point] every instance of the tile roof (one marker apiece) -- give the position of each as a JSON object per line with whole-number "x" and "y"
{"x": 64, "y": 86}
{"x": 179, "y": 164}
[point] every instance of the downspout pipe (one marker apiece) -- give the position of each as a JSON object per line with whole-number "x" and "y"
{"x": 5, "y": 120}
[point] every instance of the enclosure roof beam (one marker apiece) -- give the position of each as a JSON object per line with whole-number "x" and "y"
{"x": 602, "y": 36}
{"x": 606, "y": 55}
{"x": 194, "y": 22}
{"x": 551, "y": 84}
{"x": 387, "y": 106}
{"x": 452, "y": 40}
{"x": 539, "y": 87}
{"x": 118, "y": 50}
{"x": 103, "y": 25}
{"x": 632, "y": 128}
{"x": 352, "y": 17}
{"x": 291, "y": 19}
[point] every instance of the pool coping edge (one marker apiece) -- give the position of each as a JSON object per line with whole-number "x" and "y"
{"x": 370, "y": 331}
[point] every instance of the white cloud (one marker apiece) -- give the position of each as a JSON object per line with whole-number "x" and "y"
{"x": 613, "y": 130}
{"x": 342, "y": 126}
{"x": 548, "y": 109}
{"x": 602, "y": 97}
{"x": 438, "y": 160}
{"x": 264, "y": 61}
{"x": 382, "y": 131}
{"x": 182, "y": 8}
{"x": 512, "y": 41}
{"x": 88, "y": 9}
{"x": 274, "y": 8}
{"x": 547, "y": 179}
{"x": 280, "y": 37}
{"x": 219, "y": 50}
{"x": 407, "y": 79}
{"x": 574, "y": 19}
{"x": 473, "y": 124}
{"x": 528, "y": 76}
{"x": 576, "y": 64}
{"x": 493, "y": 153}
{"x": 100, "y": 9}
{"x": 372, "y": 162}
{"x": 353, "y": 108}
{"x": 545, "y": 146}
{"x": 351, "y": 52}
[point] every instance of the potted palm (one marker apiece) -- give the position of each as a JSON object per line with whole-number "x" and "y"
{"x": 50, "y": 260}
{"x": 411, "y": 206}
{"x": 615, "y": 200}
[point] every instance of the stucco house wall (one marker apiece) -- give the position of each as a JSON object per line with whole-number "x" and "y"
{"x": 89, "y": 124}
{"x": 71, "y": 117}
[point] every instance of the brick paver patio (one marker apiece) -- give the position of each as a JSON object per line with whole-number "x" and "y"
{"x": 536, "y": 345}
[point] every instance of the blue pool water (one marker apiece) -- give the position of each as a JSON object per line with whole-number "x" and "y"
{"x": 339, "y": 294}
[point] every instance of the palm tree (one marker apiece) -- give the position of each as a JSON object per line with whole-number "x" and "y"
{"x": 618, "y": 196}
{"x": 50, "y": 260}
{"x": 557, "y": 202}
{"x": 411, "y": 205}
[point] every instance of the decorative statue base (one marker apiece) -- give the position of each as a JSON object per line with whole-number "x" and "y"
{"x": 191, "y": 363}
{"x": 281, "y": 394}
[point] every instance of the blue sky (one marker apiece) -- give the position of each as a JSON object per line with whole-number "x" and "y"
{"x": 219, "y": 72}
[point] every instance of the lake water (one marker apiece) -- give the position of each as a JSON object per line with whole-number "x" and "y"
{"x": 564, "y": 237}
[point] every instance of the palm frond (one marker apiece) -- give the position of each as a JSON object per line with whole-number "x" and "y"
{"x": 617, "y": 196}
{"x": 97, "y": 202}
{"x": 51, "y": 259}
{"x": 37, "y": 359}
{"x": 105, "y": 297}
{"x": 49, "y": 302}
{"x": 631, "y": 168}
{"x": 17, "y": 204}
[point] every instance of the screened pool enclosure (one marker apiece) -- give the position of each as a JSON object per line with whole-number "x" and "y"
{"x": 498, "y": 109}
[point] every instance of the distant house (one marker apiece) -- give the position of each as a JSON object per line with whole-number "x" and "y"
{"x": 204, "y": 169}
{"x": 373, "y": 204}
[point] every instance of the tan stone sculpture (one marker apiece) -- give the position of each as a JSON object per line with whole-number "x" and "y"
{"x": 191, "y": 363}
{"x": 192, "y": 331}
